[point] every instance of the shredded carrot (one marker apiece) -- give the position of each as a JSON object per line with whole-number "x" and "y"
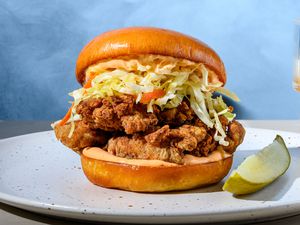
{"x": 88, "y": 84}
{"x": 147, "y": 97}
{"x": 67, "y": 116}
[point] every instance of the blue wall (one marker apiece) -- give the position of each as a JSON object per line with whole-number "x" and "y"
{"x": 40, "y": 41}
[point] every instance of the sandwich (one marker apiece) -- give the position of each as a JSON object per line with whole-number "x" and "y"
{"x": 150, "y": 116}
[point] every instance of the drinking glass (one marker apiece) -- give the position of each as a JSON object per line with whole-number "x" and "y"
{"x": 296, "y": 78}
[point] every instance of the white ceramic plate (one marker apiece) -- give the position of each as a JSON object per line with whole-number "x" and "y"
{"x": 39, "y": 174}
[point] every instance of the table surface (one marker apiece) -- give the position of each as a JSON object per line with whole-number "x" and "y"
{"x": 12, "y": 215}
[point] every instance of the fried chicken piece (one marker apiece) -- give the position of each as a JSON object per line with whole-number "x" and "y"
{"x": 177, "y": 116}
{"x": 233, "y": 129}
{"x": 207, "y": 145}
{"x": 116, "y": 113}
{"x": 138, "y": 122}
{"x": 185, "y": 137}
{"x": 106, "y": 119}
{"x": 104, "y": 113}
{"x": 86, "y": 108}
{"x": 137, "y": 148}
{"x": 160, "y": 137}
{"x": 82, "y": 136}
{"x": 235, "y": 136}
{"x": 190, "y": 136}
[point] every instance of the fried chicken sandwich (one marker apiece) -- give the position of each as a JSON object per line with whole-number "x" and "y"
{"x": 146, "y": 119}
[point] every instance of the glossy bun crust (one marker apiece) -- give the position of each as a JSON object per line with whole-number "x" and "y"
{"x": 147, "y": 40}
{"x": 153, "y": 178}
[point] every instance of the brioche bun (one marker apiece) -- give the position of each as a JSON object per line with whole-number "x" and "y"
{"x": 147, "y": 40}
{"x": 151, "y": 175}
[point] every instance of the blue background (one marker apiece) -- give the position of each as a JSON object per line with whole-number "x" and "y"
{"x": 40, "y": 41}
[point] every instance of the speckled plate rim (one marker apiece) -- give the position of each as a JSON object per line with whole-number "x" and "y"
{"x": 256, "y": 213}
{"x": 261, "y": 213}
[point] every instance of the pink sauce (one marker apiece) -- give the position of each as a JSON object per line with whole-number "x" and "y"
{"x": 100, "y": 154}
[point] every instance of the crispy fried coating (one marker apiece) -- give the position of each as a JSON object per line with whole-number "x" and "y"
{"x": 127, "y": 130}
{"x": 82, "y": 136}
{"x": 136, "y": 147}
{"x": 116, "y": 113}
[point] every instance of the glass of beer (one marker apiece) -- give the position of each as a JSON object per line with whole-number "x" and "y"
{"x": 296, "y": 78}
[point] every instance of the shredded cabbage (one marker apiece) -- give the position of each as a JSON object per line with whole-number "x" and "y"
{"x": 178, "y": 79}
{"x": 228, "y": 93}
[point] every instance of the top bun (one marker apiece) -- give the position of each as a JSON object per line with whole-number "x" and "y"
{"x": 147, "y": 40}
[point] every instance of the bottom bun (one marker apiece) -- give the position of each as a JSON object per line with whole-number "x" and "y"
{"x": 150, "y": 175}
